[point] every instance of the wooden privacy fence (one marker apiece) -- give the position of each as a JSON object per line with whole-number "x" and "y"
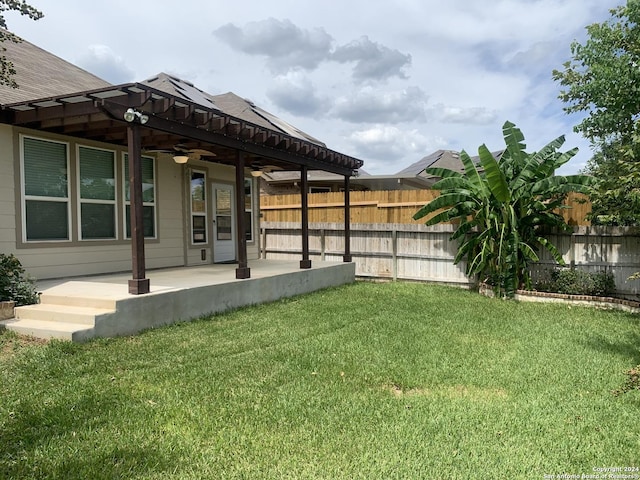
{"x": 373, "y": 207}
{"x": 416, "y": 252}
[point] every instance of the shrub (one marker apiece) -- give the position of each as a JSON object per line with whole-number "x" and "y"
{"x": 577, "y": 282}
{"x": 15, "y": 284}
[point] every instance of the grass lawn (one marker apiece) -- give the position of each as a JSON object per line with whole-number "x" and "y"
{"x": 367, "y": 381}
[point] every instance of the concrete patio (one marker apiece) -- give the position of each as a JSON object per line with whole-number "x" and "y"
{"x": 82, "y": 308}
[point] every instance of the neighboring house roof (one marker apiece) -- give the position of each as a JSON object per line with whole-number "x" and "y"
{"x": 229, "y": 103}
{"x": 371, "y": 182}
{"x": 442, "y": 159}
{"x": 41, "y": 74}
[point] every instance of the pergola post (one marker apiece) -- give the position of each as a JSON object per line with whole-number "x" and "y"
{"x": 139, "y": 284}
{"x": 304, "y": 190}
{"x": 347, "y": 221}
{"x": 243, "y": 271}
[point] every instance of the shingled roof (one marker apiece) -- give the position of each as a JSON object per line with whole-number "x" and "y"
{"x": 229, "y": 103}
{"x": 41, "y": 74}
{"x": 449, "y": 159}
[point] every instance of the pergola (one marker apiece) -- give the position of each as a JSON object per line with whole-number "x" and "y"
{"x": 143, "y": 118}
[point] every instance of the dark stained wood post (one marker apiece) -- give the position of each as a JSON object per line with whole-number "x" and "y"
{"x": 243, "y": 271}
{"x": 347, "y": 221}
{"x": 139, "y": 284}
{"x": 304, "y": 190}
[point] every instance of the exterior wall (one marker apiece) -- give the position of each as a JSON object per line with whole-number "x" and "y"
{"x": 7, "y": 191}
{"x": 171, "y": 248}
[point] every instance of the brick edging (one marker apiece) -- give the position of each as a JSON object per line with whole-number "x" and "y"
{"x": 595, "y": 301}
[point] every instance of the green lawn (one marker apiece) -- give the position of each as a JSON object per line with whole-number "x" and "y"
{"x": 367, "y": 381}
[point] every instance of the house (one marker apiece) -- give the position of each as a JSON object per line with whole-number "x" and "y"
{"x": 413, "y": 177}
{"x": 274, "y": 182}
{"x": 101, "y": 178}
{"x": 449, "y": 159}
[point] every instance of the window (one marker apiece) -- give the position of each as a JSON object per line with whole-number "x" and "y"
{"x": 198, "y": 207}
{"x": 248, "y": 209}
{"x": 97, "y": 189}
{"x": 46, "y": 190}
{"x": 148, "y": 197}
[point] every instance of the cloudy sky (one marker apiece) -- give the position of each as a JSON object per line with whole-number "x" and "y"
{"x": 385, "y": 81}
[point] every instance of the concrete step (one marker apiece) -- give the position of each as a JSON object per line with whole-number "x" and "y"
{"x": 45, "y": 329}
{"x": 62, "y": 313}
{"x": 77, "y": 301}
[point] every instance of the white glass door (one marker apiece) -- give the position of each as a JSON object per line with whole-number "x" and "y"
{"x": 224, "y": 221}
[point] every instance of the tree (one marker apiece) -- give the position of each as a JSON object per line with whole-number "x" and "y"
{"x": 603, "y": 80}
{"x": 500, "y": 210}
{"x": 7, "y": 69}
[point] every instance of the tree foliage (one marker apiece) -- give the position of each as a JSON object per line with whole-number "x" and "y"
{"x": 7, "y": 69}
{"x": 501, "y": 208}
{"x": 603, "y": 80}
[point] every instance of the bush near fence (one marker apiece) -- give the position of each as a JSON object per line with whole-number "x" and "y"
{"x": 373, "y": 207}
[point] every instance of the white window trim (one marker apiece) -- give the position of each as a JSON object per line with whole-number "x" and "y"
{"x": 96, "y": 201}
{"x": 126, "y": 202}
{"x": 26, "y": 197}
{"x": 251, "y": 227}
{"x": 198, "y": 214}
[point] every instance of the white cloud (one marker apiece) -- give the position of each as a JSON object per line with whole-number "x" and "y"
{"x": 373, "y": 61}
{"x": 284, "y": 44}
{"x": 106, "y": 64}
{"x": 465, "y": 115}
{"x": 382, "y": 145}
{"x": 371, "y": 105}
{"x": 296, "y": 94}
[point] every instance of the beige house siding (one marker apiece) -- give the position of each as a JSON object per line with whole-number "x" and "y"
{"x": 171, "y": 248}
{"x": 7, "y": 191}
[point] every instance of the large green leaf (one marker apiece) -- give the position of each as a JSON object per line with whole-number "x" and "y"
{"x": 443, "y": 201}
{"x": 563, "y": 184}
{"x": 472, "y": 174}
{"x": 495, "y": 178}
{"x": 442, "y": 172}
{"x": 514, "y": 139}
{"x": 451, "y": 183}
{"x": 539, "y": 164}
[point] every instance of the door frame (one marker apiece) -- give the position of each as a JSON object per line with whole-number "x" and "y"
{"x": 224, "y": 252}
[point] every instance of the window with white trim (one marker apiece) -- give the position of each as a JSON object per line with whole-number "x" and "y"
{"x": 97, "y": 191}
{"x": 198, "y": 207}
{"x": 148, "y": 197}
{"x": 248, "y": 209}
{"x": 45, "y": 183}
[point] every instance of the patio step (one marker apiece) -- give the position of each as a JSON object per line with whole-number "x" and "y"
{"x": 77, "y": 300}
{"x": 60, "y": 316}
{"x": 47, "y": 329}
{"x": 62, "y": 313}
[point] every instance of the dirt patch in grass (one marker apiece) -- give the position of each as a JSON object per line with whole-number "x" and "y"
{"x": 11, "y": 343}
{"x": 449, "y": 391}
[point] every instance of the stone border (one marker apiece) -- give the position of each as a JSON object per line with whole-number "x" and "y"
{"x": 6, "y": 309}
{"x": 610, "y": 303}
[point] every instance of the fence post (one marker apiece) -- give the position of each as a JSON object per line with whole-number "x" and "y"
{"x": 322, "y": 245}
{"x": 394, "y": 253}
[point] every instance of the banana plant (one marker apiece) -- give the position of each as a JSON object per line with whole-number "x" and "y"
{"x": 501, "y": 209}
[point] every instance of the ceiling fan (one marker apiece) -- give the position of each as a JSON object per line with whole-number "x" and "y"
{"x": 181, "y": 153}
